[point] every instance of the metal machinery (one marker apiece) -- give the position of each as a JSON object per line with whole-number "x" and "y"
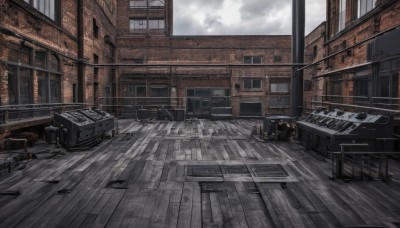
{"x": 325, "y": 130}
{"x": 279, "y": 127}
{"x": 83, "y": 128}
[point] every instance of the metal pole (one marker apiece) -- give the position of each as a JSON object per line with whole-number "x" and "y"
{"x": 298, "y": 25}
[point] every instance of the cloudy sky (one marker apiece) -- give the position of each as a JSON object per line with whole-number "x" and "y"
{"x": 242, "y": 17}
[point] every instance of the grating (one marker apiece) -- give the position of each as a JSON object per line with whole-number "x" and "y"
{"x": 268, "y": 170}
{"x": 203, "y": 171}
{"x": 235, "y": 169}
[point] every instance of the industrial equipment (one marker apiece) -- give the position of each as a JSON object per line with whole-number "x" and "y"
{"x": 83, "y": 128}
{"x": 324, "y": 130}
{"x": 279, "y": 127}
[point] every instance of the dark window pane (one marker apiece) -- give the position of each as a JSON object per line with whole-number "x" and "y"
{"x": 26, "y": 84}
{"x": 256, "y": 84}
{"x": 40, "y": 58}
{"x": 257, "y": 60}
{"x": 384, "y": 86}
{"x": 190, "y": 92}
{"x": 43, "y": 86}
{"x": 12, "y": 85}
{"x": 203, "y": 93}
{"x": 250, "y": 109}
{"x": 55, "y": 88}
{"x": 53, "y": 63}
{"x": 247, "y": 83}
{"x": 247, "y": 60}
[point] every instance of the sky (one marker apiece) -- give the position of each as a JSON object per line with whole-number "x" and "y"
{"x": 242, "y": 17}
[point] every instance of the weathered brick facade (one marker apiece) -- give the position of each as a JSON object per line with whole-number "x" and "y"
{"x": 200, "y": 61}
{"x": 359, "y": 66}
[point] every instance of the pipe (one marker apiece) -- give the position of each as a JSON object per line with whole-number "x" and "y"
{"x": 298, "y": 26}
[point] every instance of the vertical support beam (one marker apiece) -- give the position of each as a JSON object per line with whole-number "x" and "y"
{"x": 81, "y": 40}
{"x": 298, "y": 25}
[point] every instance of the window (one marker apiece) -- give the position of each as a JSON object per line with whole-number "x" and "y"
{"x": 315, "y": 51}
{"x": 335, "y": 88}
{"x": 252, "y": 84}
{"x": 307, "y": 85}
{"x": 364, "y": 6}
{"x": 20, "y": 78}
{"x": 138, "y": 4}
{"x": 50, "y": 8}
{"x": 279, "y": 87}
{"x": 156, "y": 24}
{"x": 360, "y": 87}
{"x": 143, "y": 3}
{"x": 342, "y": 15}
{"x": 156, "y": 3}
{"x": 95, "y": 29}
{"x": 137, "y": 24}
{"x": 388, "y": 81}
{"x": 144, "y": 24}
{"x": 252, "y": 59}
{"x": 279, "y": 102}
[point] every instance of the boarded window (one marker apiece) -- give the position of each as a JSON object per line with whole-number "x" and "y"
{"x": 250, "y": 109}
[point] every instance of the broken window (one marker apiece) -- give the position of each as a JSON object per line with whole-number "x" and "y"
{"x": 252, "y": 84}
{"x": 279, "y": 87}
{"x": 252, "y": 59}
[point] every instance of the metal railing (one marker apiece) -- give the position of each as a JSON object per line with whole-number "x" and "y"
{"x": 10, "y": 113}
{"x": 193, "y": 105}
{"x": 356, "y": 165}
{"x": 389, "y": 104}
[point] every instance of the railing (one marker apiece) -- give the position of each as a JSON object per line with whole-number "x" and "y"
{"x": 354, "y": 165}
{"x": 193, "y": 105}
{"x": 10, "y": 113}
{"x": 355, "y": 102}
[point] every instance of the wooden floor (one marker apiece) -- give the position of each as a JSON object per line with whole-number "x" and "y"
{"x": 193, "y": 174}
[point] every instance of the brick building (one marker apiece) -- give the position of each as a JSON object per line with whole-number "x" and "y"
{"x": 249, "y": 73}
{"x": 314, "y": 45}
{"x": 47, "y": 52}
{"x": 359, "y": 65}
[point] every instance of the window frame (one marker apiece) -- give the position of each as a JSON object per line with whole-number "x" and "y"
{"x": 55, "y": 6}
{"x": 146, "y": 4}
{"x": 247, "y": 59}
{"x": 252, "y": 88}
{"x": 278, "y": 84}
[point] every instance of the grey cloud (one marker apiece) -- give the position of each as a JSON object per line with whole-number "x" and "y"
{"x": 258, "y": 17}
{"x": 254, "y": 8}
